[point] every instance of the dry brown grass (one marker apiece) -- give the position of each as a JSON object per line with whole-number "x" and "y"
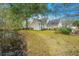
{"x": 50, "y": 43}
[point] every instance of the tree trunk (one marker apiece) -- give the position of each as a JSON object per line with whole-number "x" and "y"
{"x": 41, "y": 25}
{"x": 26, "y": 23}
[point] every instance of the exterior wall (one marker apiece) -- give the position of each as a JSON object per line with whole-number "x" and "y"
{"x": 36, "y": 27}
{"x": 59, "y": 25}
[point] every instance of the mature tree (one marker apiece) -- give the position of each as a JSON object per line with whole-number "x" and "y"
{"x": 25, "y": 10}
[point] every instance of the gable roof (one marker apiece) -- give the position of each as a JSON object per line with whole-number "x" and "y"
{"x": 53, "y": 22}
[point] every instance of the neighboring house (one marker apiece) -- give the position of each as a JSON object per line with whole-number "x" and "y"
{"x": 67, "y": 23}
{"x": 60, "y": 24}
{"x": 37, "y": 24}
{"x": 56, "y": 23}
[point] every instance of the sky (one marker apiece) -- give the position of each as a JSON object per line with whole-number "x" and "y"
{"x": 60, "y": 10}
{"x": 71, "y": 8}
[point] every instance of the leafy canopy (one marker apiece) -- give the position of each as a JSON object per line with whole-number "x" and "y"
{"x": 26, "y": 10}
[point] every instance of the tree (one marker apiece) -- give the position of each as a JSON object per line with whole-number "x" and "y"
{"x": 76, "y": 23}
{"x": 24, "y": 11}
{"x": 5, "y": 17}
{"x": 10, "y": 41}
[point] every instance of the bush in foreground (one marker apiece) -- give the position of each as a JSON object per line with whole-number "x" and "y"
{"x": 11, "y": 44}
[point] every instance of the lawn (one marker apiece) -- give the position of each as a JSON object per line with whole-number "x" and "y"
{"x": 48, "y": 42}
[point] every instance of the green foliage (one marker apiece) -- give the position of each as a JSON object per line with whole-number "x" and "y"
{"x": 65, "y": 30}
{"x": 14, "y": 14}
{"x": 25, "y": 10}
{"x": 76, "y": 23}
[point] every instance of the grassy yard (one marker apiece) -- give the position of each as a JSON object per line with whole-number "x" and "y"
{"x": 50, "y": 43}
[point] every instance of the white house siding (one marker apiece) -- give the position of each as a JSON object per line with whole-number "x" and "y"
{"x": 60, "y": 25}
{"x": 36, "y": 27}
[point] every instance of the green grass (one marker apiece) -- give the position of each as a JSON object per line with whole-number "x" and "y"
{"x": 49, "y": 42}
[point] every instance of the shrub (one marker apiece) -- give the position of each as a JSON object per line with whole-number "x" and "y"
{"x": 11, "y": 44}
{"x": 76, "y": 23}
{"x": 65, "y": 30}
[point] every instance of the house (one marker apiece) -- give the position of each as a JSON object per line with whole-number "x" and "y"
{"x": 56, "y": 23}
{"x": 40, "y": 23}
{"x": 37, "y": 24}
{"x": 69, "y": 24}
